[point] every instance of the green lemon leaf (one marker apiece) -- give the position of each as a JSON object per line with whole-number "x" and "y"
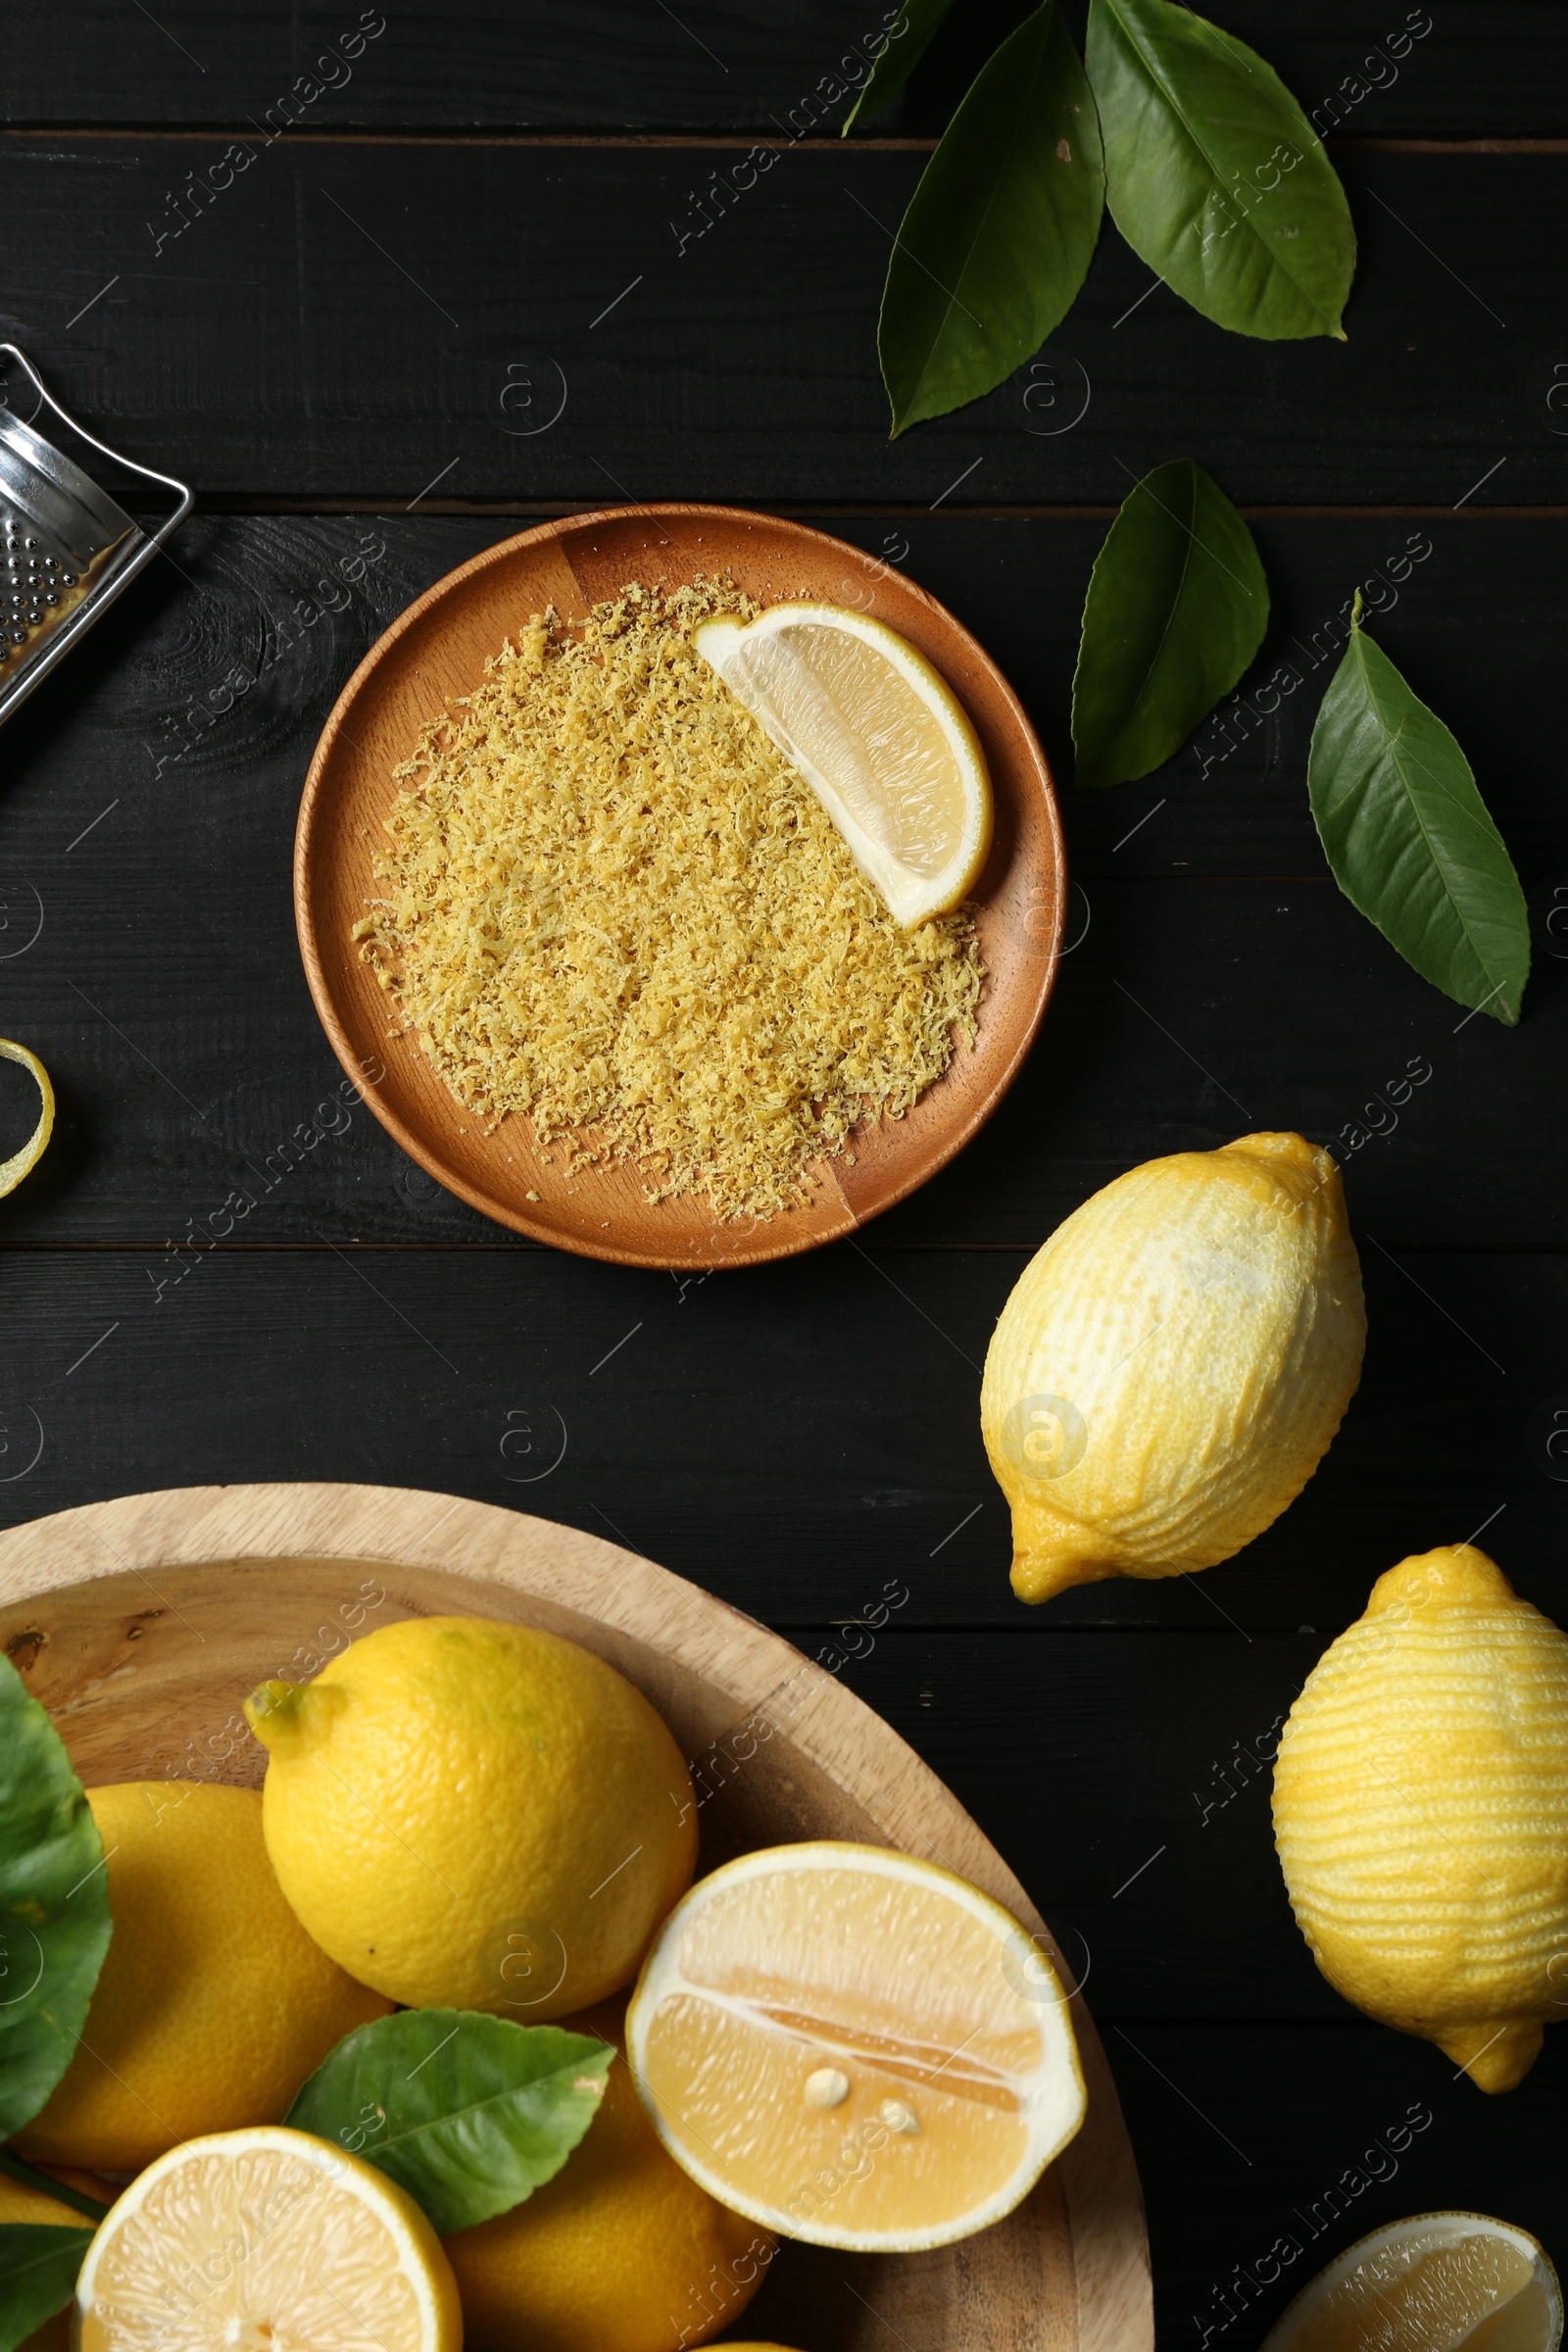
{"x": 38, "y": 2266}
{"x": 1215, "y": 177}
{"x": 468, "y": 2113}
{"x": 906, "y": 43}
{"x": 54, "y": 1905}
{"x": 1410, "y": 838}
{"x": 1000, "y": 230}
{"x": 1176, "y": 609}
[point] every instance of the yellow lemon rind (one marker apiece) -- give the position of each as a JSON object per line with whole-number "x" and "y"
{"x": 13, "y": 1170}
{"x": 661, "y": 1975}
{"x": 909, "y": 898}
{"x": 1317, "y": 2289}
{"x": 424, "y": 2262}
{"x": 551, "y": 1815}
{"x": 1420, "y": 1800}
{"x": 1181, "y": 1352}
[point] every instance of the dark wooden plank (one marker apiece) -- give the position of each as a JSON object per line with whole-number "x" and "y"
{"x": 1248, "y": 2135}
{"x": 1472, "y": 607}
{"x": 1253, "y": 2138}
{"x": 732, "y": 1428}
{"x": 351, "y": 318}
{"x": 1480, "y": 71}
{"x": 182, "y": 1039}
{"x": 803, "y": 1440}
{"x": 1202, "y": 993}
{"x": 1130, "y": 1791}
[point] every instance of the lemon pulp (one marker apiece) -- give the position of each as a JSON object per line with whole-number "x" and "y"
{"x": 880, "y": 737}
{"x": 854, "y": 2047}
{"x": 1438, "y": 2282}
{"x": 266, "y": 2240}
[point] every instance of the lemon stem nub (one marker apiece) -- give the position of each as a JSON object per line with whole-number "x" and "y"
{"x": 1495, "y": 2057}
{"x": 285, "y": 1716}
{"x": 1050, "y": 1555}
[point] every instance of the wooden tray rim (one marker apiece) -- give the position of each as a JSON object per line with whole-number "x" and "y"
{"x": 583, "y": 1574}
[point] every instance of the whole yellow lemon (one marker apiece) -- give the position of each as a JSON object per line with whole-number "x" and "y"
{"x": 1173, "y": 1365}
{"x": 213, "y": 2005}
{"x": 620, "y": 2252}
{"x": 1421, "y": 1812}
{"x": 474, "y": 1815}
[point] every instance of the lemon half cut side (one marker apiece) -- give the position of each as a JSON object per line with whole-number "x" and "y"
{"x": 880, "y": 737}
{"x": 855, "y": 2047}
{"x": 1437, "y": 2282}
{"x": 265, "y": 2240}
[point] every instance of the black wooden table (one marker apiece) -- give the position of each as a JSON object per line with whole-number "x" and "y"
{"x": 463, "y": 287}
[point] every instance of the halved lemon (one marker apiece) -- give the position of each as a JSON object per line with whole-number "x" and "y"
{"x": 880, "y": 737}
{"x": 265, "y": 2240}
{"x": 854, "y": 2047}
{"x": 1436, "y": 2282}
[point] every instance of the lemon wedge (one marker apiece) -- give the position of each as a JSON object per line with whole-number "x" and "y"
{"x": 265, "y": 2238}
{"x": 1447, "y": 2280}
{"x": 854, "y": 2047}
{"x": 880, "y": 736}
{"x": 13, "y": 1170}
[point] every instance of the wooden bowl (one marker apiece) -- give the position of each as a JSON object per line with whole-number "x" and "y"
{"x": 140, "y": 1624}
{"x": 437, "y": 649}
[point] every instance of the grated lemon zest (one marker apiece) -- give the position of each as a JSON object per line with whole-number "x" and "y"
{"x": 613, "y": 906}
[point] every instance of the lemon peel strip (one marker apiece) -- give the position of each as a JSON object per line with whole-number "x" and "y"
{"x": 13, "y": 1170}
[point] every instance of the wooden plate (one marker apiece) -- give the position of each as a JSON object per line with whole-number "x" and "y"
{"x": 438, "y": 647}
{"x": 140, "y": 1624}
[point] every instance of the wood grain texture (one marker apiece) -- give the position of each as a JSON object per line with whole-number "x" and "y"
{"x": 437, "y": 652}
{"x": 596, "y": 67}
{"x": 731, "y": 1427}
{"x": 217, "y": 677}
{"x": 370, "y": 316}
{"x": 240, "y": 1575}
{"x": 150, "y": 804}
{"x": 804, "y": 1435}
{"x": 1161, "y": 1036}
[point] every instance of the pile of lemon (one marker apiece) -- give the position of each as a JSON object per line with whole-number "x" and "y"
{"x": 827, "y": 2042}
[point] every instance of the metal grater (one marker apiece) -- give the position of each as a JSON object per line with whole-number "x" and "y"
{"x": 66, "y": 549}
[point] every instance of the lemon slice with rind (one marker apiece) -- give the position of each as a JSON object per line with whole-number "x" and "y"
{"x": 854, "y": 2047}
{"x": 880, "y": 736}
{"x": 265, "y": 2240}
{"x": 1437, "y": 2282}
{"x": 13, "y": 1170}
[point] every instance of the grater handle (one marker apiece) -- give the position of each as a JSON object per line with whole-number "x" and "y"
{"x": 186, "y": 495}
